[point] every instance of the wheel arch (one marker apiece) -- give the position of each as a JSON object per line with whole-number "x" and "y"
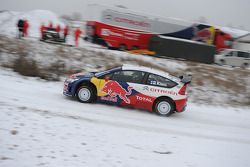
{"x": 84, "y": 82}
{"x": 164, "y": 97}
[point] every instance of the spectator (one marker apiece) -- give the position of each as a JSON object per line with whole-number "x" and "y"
{"x": 77, "y": 36}
{"x": 20, "y": 25}
{"x": 50, "y": 24}
{"x": 25, "y": 28}
{"x": 58, "y": 28}
{"x": 65, "y": 32}
{"x": 42, "y": 29}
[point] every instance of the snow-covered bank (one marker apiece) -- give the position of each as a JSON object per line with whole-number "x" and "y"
{"x": 211, "y": 84}
{"x": 41, "y": 127}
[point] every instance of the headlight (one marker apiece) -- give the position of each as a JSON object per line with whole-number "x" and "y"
{"x": 70, "y": 80}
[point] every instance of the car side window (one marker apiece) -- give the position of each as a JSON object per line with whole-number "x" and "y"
{"x": 229, "y": 54}
{"x": 243, "y": 54}
{"x": 157, "y": 80}
{"x": 128, "y": 76}
{"x": 106, "y": 76}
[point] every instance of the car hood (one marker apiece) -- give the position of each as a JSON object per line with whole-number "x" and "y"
{"x": 83, "y": 75}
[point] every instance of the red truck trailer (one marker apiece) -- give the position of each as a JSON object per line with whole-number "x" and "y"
{"x": 116, "y": 37}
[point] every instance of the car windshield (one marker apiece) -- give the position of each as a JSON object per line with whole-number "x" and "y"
{"x": 107, "y": 71}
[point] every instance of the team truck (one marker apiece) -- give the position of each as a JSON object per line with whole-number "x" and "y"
{"x": 125, "y": 29}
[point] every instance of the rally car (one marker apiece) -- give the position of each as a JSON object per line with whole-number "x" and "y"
{"x": 131, "y": 86}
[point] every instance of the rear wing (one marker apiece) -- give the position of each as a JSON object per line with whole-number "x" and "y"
{"x": 186, "y": 79}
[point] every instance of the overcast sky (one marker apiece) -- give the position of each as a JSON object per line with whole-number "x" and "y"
{"x": 217, "y": 12}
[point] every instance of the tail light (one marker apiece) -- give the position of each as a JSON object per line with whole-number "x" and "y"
{"x": 183, "y": 90}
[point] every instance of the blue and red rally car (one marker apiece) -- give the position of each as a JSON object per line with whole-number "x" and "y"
{"x": 132, "y": 86}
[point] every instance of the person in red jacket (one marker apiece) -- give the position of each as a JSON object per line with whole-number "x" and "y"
{"x": 65, "y": 32}
{"x": 58, "y": 28}
{"x": 77, "y": 36}
{"x": 42, "y": 29}
{"x": 25, "y": 28}
{"x": 50, "y": 24}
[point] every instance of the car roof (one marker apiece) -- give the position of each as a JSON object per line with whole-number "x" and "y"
{"x": 227, "y": 50}
{"x": 145, "y": 69}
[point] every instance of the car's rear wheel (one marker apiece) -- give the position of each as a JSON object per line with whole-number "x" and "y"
{"x": 86, "y": 94}
{"x": 245, "y": 65}
{"x": 134, "y": 48}
{"x": 122, "y": 47}
{"x": 164, "y": 107}
{"x": 222, "y": 62}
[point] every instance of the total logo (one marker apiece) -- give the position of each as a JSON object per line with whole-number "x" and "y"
{"x": 144, "y": 99}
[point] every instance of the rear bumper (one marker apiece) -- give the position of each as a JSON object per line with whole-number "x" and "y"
{"x": 181, "y": 105}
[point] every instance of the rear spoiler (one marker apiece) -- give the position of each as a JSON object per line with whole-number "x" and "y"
{"x": 186, "y": 79}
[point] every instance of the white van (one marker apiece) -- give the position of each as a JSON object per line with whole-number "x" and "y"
{"x": 234, "y": 58}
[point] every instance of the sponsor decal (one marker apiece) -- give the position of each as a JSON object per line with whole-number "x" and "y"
{"x": 158, "y": 90}
{"x": 108, "y": 98}
{"x": 132, "y": 22}
{"x": 114, "y": 89}
{"x": 107, "y": 32}
{"x": 203, "y": 35}
{"x": 144, "y": 99}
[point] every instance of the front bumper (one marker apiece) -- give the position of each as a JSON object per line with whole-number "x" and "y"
{"x": 67, "y": 89}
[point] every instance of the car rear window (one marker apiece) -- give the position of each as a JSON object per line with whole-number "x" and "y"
{"x": 160, "y": 81}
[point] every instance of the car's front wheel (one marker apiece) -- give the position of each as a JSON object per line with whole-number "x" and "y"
{"x": 86, "y": 94}
{"x": 164, "y": 107}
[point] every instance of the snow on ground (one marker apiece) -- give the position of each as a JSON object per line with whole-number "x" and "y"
{"x": 41, "y": 127}
{"x": 9, "y": 19}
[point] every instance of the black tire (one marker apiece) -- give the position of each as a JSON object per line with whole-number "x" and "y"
{"x": 122, "y": 47}
{"x": 164, "y": 107}
{"x": 134, "y": 48}
{"x": 222, "y": 62}
{"x": 245, "y": 65}
{"x": 86, "y": 94}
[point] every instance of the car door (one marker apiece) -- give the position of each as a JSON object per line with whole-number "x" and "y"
{"x": 230, "y": 58}
{"x": 154, "y": 87}
{"x": 244, "y": 58}
{"x": 119, "y": 87}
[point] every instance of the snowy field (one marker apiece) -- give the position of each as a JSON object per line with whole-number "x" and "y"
{"x": 41, "y": 127}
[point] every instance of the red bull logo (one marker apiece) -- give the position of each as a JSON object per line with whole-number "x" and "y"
{"x": 114, "y": 89}
{"x": 202, "y": 35}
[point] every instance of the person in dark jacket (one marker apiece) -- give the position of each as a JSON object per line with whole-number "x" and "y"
{"x": 20, "y": 25}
